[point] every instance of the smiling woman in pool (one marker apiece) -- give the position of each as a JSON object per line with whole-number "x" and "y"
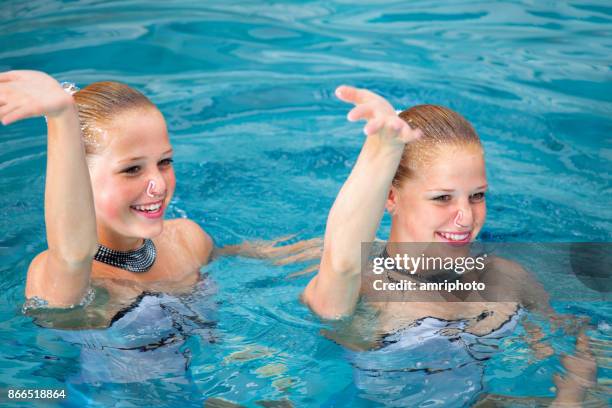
{"x": 426, "y": 167}
{"x": 109, "y": 180}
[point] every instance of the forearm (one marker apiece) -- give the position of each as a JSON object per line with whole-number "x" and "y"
{"x": 359, "y": 207}
{"x": 69, "y": 209}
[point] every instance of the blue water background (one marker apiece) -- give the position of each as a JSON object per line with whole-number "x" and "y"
{"x": 262, "y": 147}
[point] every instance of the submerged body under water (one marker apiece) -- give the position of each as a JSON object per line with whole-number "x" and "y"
{"x": 141, "y": 339}
{"x": 432, "y": 362}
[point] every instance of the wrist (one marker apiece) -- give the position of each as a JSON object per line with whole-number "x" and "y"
{"x": 66, "y": 109}
{"x": 67, "y": 113}
{"x": 64, "y": 123}
{"x": 378, "y": 147}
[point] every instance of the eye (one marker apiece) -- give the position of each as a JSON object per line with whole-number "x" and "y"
{"x": 477, "y": 197}
{"x": 166, "y": 162}
{"x": 443, "y": 198}
{"x": 132, "y": 170}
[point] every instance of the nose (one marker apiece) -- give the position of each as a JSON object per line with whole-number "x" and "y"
{"x": 463, "y": 216}
{"x": 156, "y": 186}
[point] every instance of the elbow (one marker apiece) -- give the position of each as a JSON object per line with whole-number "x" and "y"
{"x": 333, "y": 293}
{"x": 326, "y": 311}
{"x": 323, "y": 306}
{"x": 59, "y": 284}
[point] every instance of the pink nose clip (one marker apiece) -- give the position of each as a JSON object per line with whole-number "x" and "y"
{"x": 150, "y": 188}
{"x": 458, "y": 218}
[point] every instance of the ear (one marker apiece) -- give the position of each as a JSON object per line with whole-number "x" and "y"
{"x": 392, "y": 201}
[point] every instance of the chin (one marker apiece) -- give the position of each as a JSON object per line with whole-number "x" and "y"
{"x": 147, "y": 226}
{"x": 152, "y": 232}
{"x": 145, "y": 231}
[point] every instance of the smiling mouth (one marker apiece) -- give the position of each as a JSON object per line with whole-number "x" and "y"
{"x": 148, "y": 208}
{"x": 455, "y": 237}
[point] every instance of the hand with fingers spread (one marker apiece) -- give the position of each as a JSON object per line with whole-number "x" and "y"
{"x": 381, "y": 118}
{"x": 282, "y": 254}
{"x": 26, "y": 94}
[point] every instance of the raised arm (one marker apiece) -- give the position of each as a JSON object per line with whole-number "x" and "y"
{"x": 60, "y": 275}
{"x": 358, "y": 209}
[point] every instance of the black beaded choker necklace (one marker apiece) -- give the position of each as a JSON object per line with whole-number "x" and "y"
{"x": 138, "y": 260}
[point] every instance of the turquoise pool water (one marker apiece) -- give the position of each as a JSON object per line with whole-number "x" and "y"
{"x": 262, "y": 147}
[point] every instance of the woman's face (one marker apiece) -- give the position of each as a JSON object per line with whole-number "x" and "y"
{"x": 444, "y": 201}
{"x": 132, "y": 177}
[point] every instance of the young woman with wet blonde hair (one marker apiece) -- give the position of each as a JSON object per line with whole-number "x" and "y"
{"x": 426, "y": 167}
{"x": 109, "y": 180}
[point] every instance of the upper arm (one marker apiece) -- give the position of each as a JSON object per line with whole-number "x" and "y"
{"x": 59, "y": 283}
{"x": 196, "y": 240}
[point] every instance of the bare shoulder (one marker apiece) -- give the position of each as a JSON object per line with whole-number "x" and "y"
{"x": 506, "y": 268}
{"x": 193, "y": 237}
{"x": 511, "y": 276}
{"x": 504, "y": 278}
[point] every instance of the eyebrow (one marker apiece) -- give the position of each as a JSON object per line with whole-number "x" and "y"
{"x": 446, "y": 190}
{"x": 140, "y": 157}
